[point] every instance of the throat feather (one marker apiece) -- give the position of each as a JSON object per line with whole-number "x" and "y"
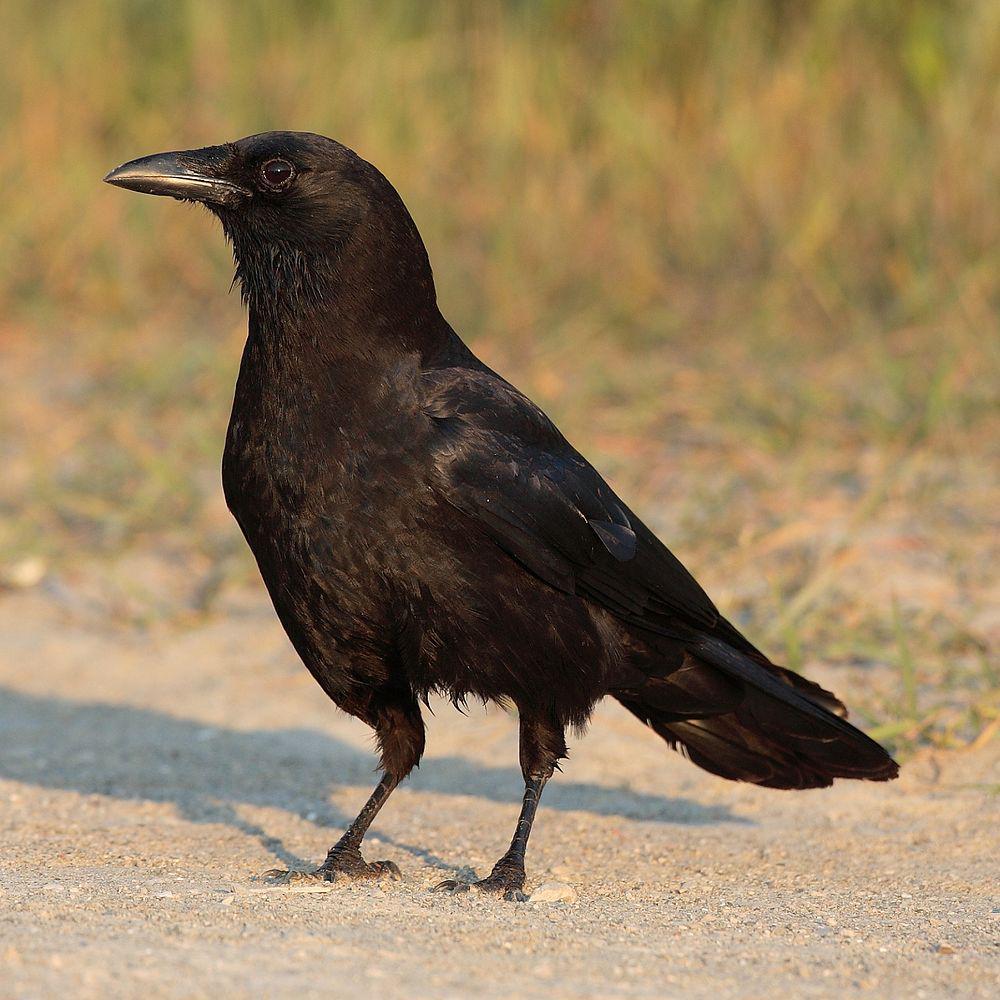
{"x": 276, "y": 278}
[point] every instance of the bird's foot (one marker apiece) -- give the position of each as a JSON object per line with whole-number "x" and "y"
{"x": 340, "y": 866}
{"x": 506, "y": 880}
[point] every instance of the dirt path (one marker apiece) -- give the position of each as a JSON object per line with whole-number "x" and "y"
{"x": 145, "y": 779}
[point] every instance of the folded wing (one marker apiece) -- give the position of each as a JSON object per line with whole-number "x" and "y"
{"x": 503, "y": 463}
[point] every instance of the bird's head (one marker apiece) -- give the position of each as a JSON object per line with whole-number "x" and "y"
{"x": 300, "y": 210}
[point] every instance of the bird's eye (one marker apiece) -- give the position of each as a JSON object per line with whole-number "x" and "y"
{"x": 277, "y": 174}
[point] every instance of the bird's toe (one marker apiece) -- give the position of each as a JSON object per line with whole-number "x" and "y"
{"x": 509, "y": 889}
{"x": 452, "y": 886}
{"x": 385, "y": 869}
{"x": 280, "y": 876}
{"x": 355, "y": 871}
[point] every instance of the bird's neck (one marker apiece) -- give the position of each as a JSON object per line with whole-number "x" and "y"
{"x": 365, "y": 301}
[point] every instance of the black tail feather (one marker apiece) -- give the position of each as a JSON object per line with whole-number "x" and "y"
{"x": 783, "y": 731}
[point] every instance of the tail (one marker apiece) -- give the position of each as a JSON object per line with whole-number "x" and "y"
{"x": 742, "y": 720}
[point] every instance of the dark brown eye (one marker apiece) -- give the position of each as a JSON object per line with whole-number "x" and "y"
{"x": 277, "y": 173}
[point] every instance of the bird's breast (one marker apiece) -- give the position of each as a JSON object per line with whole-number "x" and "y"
{"x": 317, "y": 480}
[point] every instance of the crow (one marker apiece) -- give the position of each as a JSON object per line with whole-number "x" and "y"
{"x": 422, "y": 527}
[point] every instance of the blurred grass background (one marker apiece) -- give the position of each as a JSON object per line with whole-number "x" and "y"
{"x": 744, "y": 251}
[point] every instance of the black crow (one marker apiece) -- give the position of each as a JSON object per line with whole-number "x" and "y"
{"x": 421, "y": 526}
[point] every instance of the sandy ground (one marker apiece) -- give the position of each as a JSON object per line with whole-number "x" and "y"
{"x": 146, "y": 777}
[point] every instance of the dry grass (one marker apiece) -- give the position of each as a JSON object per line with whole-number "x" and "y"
{"x": 746, "y": 253}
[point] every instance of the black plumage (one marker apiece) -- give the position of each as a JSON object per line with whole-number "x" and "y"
{"x": 421, "y": 526}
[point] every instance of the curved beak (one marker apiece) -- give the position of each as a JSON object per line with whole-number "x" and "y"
{"x": 190, "y": 175}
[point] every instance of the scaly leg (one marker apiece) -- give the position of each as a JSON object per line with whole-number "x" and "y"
{"x": 541, "y": 746}
{"x": 400, "y": 732}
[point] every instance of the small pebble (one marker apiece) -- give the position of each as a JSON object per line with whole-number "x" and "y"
{"x": 553, "y": 892}
{"x": 25, "y": 573}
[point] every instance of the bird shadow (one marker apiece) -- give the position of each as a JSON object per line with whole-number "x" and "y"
{"x": 208, "y": 771}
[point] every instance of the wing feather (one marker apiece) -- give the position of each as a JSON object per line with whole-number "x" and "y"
{"x": 502, "y": 462}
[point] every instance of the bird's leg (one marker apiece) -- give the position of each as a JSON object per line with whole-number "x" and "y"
{"x": 507, "y": 877}
{"x": 344, "y": 858}
{"x": 541, "y": 746}
{"x": 400, "y": 733}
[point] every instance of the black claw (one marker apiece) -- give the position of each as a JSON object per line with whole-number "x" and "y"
{"x": 452, "y": 886}
{"x": 279, "y": 876}
{"x": 327, "y": 872}
{"x": 491, "y": 886}
{"x": 387, "y": 869}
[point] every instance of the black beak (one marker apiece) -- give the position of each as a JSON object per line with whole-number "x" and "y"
{"x": 191, "y": 175}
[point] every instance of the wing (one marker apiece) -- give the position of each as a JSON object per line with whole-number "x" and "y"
{"x": 501, "y": 461}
